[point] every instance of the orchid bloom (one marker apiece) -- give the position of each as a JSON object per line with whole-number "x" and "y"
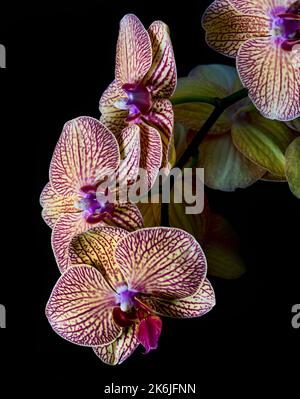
{"x": 85, "y": 155}
{"x": 264, "y": 36}
{"x": 119, "y": 284}
{"x": 145, "y": 79}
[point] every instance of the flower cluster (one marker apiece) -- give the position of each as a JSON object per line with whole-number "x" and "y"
{"x": 118, "y": 278}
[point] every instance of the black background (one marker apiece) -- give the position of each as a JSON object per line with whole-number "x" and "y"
{"x": 59, "y": 61}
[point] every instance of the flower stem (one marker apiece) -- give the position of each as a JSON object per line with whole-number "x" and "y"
{"x": 220, "y": 106}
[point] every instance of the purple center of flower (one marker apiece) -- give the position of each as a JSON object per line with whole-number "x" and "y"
{"x": 132, "y": 312}
{"x": 138, "y": 101}
{"x": 286, "y": 26}
{"x": 93, "y": 210}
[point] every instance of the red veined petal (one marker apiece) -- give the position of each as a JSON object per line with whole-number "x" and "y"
{"x": 119, "y": 350}
{"x": 227, "y": 29}
{"x": 162, "y": 75}
{"x": 161, "y": 118}
{"x": 134, "y": 53}
{"x": 271, "y": 77}
{"x": 163, "y": 262}
{"x": 86, "y": 151}
{"x": 65, "y": 229}
{"x": 192, "y": 306}
{"x": 96, "y": 248}
{"x": 55, "y": 205}
{"x": 80, "y": 308}
{"x": 260, "y": 7}
{"x": 126, "y": 216}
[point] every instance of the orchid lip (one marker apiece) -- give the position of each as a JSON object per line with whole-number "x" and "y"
{"x": 138, "y": 101}
{"x": 285, "y": 27}
{"x": 93, "y": 209}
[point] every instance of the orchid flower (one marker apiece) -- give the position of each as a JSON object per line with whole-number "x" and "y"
{"x": 242, "y": 146}
{"x": 119, "y": 284}
{"x": 264, "y": 37}
{"x": 85, "y": 155}
{"x": 145, "y": 79}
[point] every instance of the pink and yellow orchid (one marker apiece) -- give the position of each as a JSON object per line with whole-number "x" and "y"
{"x": 86, "y": 154}
{"x": 119, "y": 284}
{"x": 145, "y": 79}
{"x": 261, "y": 35}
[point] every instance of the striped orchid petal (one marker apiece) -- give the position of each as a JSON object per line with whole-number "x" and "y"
{"x": 55, "y": 205}
{"x": 162, "y": 74}
{"x": 119, "y": 350}
{"x": 227, "y": 28}
{"x": 192, "y": 306}
{"x": 164, "y": 262}
{"x": 126, "y": 216}
{"x": 271, "y": 77}
{"x": 162, "y": 119}
{"x": 130, "y": 150}
{"x": 111, "y": 116}
{"x": 259, "y": 7}
{"x": 67, "y": 226}
{"x": 96, "y": 248}
{"x": 85, "y": 152}
{"x": 151, "y": 153}
{"x": 134, "y": 52}
{"x": 80, "y": 308}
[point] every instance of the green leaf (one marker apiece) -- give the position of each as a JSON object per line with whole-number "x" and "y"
{"x": 292, "y": 166}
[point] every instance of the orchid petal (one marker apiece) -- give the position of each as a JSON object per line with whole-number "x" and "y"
{"x": 111, "y": 116}
{"x": 164, "y": 262}
{"x": 55, "y": 205}
{"x": 161, "y": 77}
{"x": 130, "y": 151}
{"x": 80, "y": 308}
{"x": 151, "y": 152}
{"x": 262, "y": 141}
{"x": 65, "y": 229}
{"x": 221, "y": 247}
{"x": 119, "y": 350}
{"x": 134, "y": 52}
{"x": 96, "y": 248}
{"x": 161, "y": 118}
{"x": 225, "y": 168}
{"x": 86, "y": 152}
{"x": 271, "y": 77}
{"x": 259, "y": 7}
{"x": 293, "y": 166}
{"x": 227, "y": 29}
{"x": 148, "y": 333}
{"x": 192, "y": 306}
{"x": 126, "y": 216}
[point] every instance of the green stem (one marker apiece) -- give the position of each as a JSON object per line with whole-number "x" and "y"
{"x": 220, "y": 106}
